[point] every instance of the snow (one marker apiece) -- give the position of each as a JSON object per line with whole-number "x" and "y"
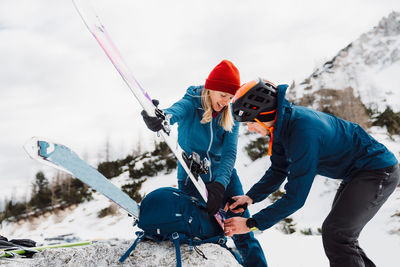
{"x": 292, "y": 250}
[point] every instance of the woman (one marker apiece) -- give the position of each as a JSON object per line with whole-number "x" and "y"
{"x": 206, "y": 126}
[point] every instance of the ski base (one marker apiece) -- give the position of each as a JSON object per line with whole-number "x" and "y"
{"x": 63, "y": 158}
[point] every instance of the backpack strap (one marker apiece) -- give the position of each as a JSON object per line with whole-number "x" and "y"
{"x": 222, "y": 242}
{"x": 219, "y": 239}
{"x": 128, "y": 252}
{"x": 175, "y": 239}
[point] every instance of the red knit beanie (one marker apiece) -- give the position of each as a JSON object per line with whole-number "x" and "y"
{"x": 224, "y": 77}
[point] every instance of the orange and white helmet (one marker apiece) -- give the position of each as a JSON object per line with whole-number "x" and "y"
{"x": 256, "y": 99}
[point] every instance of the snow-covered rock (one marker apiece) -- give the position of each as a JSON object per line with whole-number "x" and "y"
{"x": 146, "y": 254}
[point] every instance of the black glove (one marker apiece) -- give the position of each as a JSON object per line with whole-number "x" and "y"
{"x": 153, "y": 123}
{"x": 215, "y": 195}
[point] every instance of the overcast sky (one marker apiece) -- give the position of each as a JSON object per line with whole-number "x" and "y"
{"x": 56, "y": 82}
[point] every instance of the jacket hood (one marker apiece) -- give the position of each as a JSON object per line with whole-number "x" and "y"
{"x": 195, "y": 93}
{"x": 281, "y": 107}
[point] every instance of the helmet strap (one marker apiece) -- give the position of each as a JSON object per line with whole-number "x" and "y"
{"x": 271, "y": 131}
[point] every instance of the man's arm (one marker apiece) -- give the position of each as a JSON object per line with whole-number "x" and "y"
{"x": 273, "y": 177}
{"x": 302, "y": 171}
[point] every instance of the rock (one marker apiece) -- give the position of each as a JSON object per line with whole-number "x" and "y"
{"x": 147, "y": 253}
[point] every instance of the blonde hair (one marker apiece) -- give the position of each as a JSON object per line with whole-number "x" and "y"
{"x": 226, "y": 120}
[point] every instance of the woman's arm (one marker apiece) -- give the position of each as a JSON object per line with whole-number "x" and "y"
{"x": 228, "y": 156}
{"x": 182, "y": 109}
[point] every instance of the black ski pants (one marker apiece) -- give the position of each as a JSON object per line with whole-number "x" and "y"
{"x": 355, "y": 204}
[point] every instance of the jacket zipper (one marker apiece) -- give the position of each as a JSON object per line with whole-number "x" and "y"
{"x": 209, "y": 147}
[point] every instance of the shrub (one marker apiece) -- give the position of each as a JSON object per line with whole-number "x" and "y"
{"x": 286, "y": 226}
{"x": 306, "y": 231}
{"x": 151, "y": 163}
{"x": 257, "y": 148}
{"x": 132, "y": 190}
{"x": 110, "y": 210}
{"x": 109, "y": 168}
{"x": 389, "y": 119}
{"x": 13, "y": 209}
{"x": 73, "y": 191}
{"x": 64, "y": 189}
{"x": 276, "y": 195}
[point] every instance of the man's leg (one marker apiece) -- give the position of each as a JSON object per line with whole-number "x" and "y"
{"x": 355, "y": 204}
{"x": 247, "y": 245}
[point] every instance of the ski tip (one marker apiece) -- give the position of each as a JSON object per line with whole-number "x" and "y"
{"x": 41, "y": 149}
{"x": 31, "y": 147}
{"x": 37, "y": 147}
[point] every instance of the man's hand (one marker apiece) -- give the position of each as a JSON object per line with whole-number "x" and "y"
{"x": 239, "y": 200}
{"x": 235, "y": 226}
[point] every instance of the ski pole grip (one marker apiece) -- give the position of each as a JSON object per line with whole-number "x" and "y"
{"x": 243, "y": 206}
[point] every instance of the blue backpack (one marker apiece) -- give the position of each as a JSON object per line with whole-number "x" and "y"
{"x": 169, "y": 213}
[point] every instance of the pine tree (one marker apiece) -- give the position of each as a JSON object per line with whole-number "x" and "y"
{"x": 41, "y": 194}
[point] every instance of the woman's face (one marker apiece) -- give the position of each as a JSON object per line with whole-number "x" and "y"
{"x": 219, "y": 99}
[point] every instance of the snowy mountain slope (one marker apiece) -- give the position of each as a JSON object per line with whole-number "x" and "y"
{"x": 370, "y": 65}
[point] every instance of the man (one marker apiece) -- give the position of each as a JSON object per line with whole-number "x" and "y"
{"x": 304, "y": 143}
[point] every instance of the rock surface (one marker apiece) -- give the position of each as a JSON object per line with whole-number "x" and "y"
{"x": 147, "y": 253}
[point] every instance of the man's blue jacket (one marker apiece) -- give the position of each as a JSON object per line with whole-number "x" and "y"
{"x": 306, "y": 143}
{"x": 208, "y": 140}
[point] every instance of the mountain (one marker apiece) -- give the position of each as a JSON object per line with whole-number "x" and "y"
{"x": 359, "y": 84}
{"x": 360, "y": 77}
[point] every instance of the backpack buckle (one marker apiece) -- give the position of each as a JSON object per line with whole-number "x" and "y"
{"x": 140, "y": 234}
{"x": 175, "y": 235}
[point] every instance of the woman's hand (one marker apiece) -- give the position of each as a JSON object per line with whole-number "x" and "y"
{"x": 215, "y": 196}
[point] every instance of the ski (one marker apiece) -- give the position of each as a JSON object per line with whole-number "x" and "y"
{"x": 64, "y": 159}
{"x": 97, "y": 29}
{"x": 25, "y": 250}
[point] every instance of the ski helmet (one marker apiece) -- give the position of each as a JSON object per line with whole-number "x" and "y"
{"x": 256, "y": 99}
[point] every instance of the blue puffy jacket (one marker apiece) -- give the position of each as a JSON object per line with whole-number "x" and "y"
{"x": 208, "y": 140}
{"x": 308, "y": 142}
